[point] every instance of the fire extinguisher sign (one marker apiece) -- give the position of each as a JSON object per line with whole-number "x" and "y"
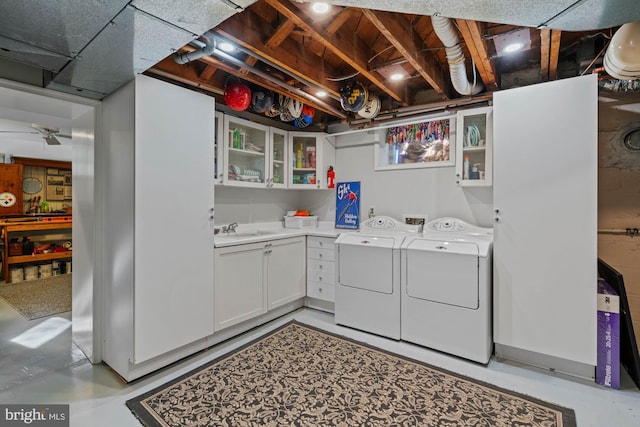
{"x": 348, "y": 205}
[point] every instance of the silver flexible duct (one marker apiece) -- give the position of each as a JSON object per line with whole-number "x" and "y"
{"x": 449, "y": 37}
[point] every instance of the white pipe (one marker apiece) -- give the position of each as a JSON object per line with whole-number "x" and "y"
{"x": 449, "y": 37}
{"x": 206, "y": 50}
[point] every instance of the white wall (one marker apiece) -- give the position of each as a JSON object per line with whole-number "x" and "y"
{"x": 432, "y": 191}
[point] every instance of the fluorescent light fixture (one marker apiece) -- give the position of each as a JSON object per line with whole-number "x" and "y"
{"x": 513, "y": 47}
{"x": 320, "y": 7}
{"x": 512, "y": 41}
{"x": 321, "y": 93}
{"x": 226, "y": 47}
{"x": 396, "y": 76}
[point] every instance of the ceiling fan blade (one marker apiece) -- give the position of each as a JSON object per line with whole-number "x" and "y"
{"x": 62, "y": 135}
{"x": 51, "y": 140}
{"x": 18, "y": 131}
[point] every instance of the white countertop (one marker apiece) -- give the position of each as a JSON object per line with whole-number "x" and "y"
{"x": 261, "y": 232}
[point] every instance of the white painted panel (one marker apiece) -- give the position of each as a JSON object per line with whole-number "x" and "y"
{"x": 545, "y": 183}
{"x": 368, "y": 267}
{"x": 443, "y": 272}
{"x": 174, "y": 191}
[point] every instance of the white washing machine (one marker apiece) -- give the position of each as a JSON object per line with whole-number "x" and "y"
{"x": 446, "y": 289}
{"x": 367, "y": 294}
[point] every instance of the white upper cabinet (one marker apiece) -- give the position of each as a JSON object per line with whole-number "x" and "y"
{"x": 246, "y": 147}
{"x": 310, "y": 155}
{"x": 474, "y": 135}
{"x": 277, "y": 161}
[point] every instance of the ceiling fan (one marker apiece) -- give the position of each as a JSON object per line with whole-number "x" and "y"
{"x": 49, "y": 134}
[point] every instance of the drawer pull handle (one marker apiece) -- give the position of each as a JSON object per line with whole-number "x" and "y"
{"x": 320, "y": 278}
{"x": 320, "y": 266}
{"x": 319, "y": 289}
{"x": 320, "y": 255}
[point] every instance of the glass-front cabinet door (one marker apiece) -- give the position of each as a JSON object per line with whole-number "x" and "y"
{"x": 218, "y": 161}
{"x": 278, "y": 159}
{"x": 245, "y": 153}
{"x": 305, "y": 160}
{"x": 474, "y": 135}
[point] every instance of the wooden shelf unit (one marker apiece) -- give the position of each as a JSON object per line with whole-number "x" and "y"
{"x": 17, "y": 226}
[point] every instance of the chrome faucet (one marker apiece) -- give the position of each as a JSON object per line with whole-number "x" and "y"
{"x": 231, "y": 228}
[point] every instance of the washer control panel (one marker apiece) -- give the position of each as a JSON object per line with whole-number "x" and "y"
{"x": 380, "y": 223}
{"x": 447, "y": 224}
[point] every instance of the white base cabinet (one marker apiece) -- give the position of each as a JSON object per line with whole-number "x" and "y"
{"x": 321, "y": 271}
{"x": 254, "y": 278}
{"x": 158, "y": 275}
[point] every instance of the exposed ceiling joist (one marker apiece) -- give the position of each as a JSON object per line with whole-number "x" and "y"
{"x": 280, "y": 34}
{"x": 208, "y": 72}
{"x": 472, "y": 32}
{"x": 186, "y": 74}
{"x": 284, "y": 55}
{"x": 347, "y": 46}
{"x": 549, "y": 53}
{"x": 402, "y": 36}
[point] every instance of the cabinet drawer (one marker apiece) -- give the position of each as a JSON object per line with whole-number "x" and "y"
{"x": 321, "y": 291}
{"x": 321, "y": 276}
{"x": 321, "y": 242}
{"x": 322, "y": 266}
{"x": 321, "y": 254}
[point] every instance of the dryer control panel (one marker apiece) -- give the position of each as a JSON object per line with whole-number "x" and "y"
{"x": 447, "y": 224}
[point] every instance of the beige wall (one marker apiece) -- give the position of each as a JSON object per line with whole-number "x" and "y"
{"x": 619, "y": 194}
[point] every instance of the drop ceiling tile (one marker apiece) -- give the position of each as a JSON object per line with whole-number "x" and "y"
{"x": 196, "y": 16}
{"x": 62, "y": 26}
{"x": 133, "y": 43}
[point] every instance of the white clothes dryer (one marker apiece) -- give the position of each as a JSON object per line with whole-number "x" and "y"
{"x": 367, "y": 294}
{"x": 446, "y": 289}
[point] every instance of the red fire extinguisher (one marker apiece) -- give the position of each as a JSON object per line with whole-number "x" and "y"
{"x": 331, "y": 176}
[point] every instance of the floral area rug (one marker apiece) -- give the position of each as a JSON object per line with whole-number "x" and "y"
{"x": 302, "y": 376}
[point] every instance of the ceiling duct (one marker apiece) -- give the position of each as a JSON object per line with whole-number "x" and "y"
{"x": 449, "y": 37}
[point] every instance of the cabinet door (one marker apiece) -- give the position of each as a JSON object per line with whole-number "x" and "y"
{"x": 239, "y": 288}
{"x": 277, "y": 158}
{"x": 545, "y": 242}
{"x": 285, "y": 271}
{"x": 474, "y": 134}
{"x": 219, "y": 165}
{"x": 245, "y": 153}
{"x": 303, "y": 155}
{"x": 173, "y": 232}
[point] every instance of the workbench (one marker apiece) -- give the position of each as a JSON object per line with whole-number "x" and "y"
{"x": 24, "y": 226}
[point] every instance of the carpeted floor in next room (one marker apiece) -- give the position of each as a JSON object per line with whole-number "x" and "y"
{"x": 97, "y": 397}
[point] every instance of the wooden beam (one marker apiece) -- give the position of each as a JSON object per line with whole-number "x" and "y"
{"x": 186, "y": 74}
{"x": 472, "y": 32}
{"x": 545, "y": 52}
{"x": 280, "y": 34}
{"x": 339, "y": 20}
{"x": 208, "y": 72}
{"x": 346, "y": 46}
{"x": 402, "y": 36}
{"x": 251, "y": 61}
{"x": 549, "y": 53}
{"x": 245, "y": 29}
{"x": 555, "y": 54}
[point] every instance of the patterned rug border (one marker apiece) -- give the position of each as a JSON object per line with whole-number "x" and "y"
{"x": 142, "y": 414}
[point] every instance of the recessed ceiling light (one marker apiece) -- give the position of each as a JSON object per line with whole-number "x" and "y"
{"x": 396, "y": 76}
{"x": 320, "y": 7}
{"x": 513, "y": 47}
{"x": 226, "y": 47}
{"x": 321, "y": 93}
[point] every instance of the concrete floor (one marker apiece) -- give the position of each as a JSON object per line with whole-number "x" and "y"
{"x": 56, "y": 372}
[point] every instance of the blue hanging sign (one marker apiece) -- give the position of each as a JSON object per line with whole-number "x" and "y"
{"x": 348, "y": 205}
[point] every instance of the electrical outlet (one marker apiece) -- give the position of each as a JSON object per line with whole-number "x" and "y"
{"x": 415, "y": 219}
